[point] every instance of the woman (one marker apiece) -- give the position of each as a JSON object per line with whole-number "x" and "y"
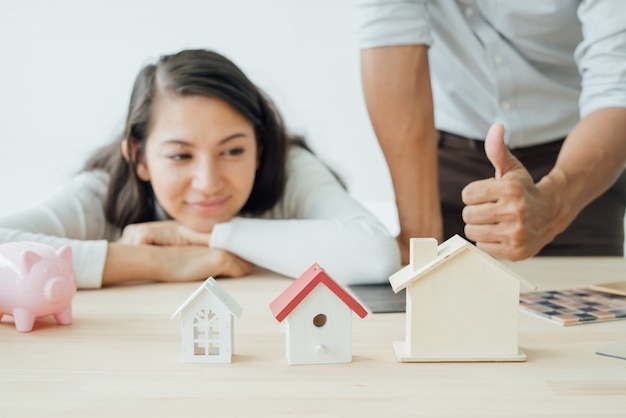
{"x": 204, "y": 181}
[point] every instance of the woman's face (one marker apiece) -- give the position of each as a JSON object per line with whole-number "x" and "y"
{"x": 201, "y": 159}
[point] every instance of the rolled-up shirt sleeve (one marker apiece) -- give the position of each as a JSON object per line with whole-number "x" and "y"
{"x": 601, "y": 56}
{"x": 392, "y": 22}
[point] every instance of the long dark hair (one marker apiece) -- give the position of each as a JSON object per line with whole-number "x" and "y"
{"x": 191, "y": 73}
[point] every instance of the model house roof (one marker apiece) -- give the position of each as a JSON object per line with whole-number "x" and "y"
{"x": 291, "y": 297}
{"x": 211, "y": 286}
{"x": 446, "y": 252}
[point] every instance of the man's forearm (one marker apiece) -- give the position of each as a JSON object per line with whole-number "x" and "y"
{"x": 592, "y": 158}
{"x": 398, "y": 96}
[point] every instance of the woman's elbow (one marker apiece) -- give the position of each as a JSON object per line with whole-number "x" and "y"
{"x": 371, "y": 267}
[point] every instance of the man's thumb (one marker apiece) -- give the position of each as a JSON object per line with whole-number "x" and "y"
{"x": 498, "y": 154}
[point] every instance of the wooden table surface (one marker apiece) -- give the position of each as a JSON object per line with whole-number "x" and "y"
{"x": 121, "y": 357}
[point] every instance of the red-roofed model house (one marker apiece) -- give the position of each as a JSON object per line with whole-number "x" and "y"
{"x": 207, "y": 324}
{"x": 318, "y": 314}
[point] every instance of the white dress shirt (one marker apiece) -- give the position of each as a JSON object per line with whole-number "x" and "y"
{"x": 537, "y": 66}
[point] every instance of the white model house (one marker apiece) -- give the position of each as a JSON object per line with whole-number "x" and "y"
{"x": 461, "y": 304}
{"x": 207, "y": 324}
{"x": 318, "y": 319}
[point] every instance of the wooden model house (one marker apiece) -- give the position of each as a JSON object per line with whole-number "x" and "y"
{"x": 461, "y": 304}
{"x": 207, "y": 324}
{"x": 318, "y": 319}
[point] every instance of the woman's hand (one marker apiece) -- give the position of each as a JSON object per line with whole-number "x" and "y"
{"x": 171, "y": 263}
{"x": 192, "y": 262}
{"x": 170, "y": 252}
{"x": 162, "y": 233}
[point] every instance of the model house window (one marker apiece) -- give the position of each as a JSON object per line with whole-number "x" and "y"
{"x": 206, "y": 333}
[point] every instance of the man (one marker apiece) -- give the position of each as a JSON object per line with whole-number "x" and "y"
{"x": 553, "y": 72}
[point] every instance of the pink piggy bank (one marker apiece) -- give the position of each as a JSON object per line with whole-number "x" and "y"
{"x": 36, "y": 280}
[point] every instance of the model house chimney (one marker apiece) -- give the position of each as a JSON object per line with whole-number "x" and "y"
{"x": 422, "y": 250}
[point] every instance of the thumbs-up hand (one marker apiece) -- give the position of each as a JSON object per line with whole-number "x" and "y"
{"x": 507, "y": 216}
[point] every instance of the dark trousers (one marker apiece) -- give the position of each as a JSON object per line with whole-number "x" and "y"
{"x": 597, "y": 231}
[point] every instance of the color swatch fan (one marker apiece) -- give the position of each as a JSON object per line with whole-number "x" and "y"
{"x": 574, "y": 306}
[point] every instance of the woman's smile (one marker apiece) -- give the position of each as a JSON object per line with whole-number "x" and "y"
{"x": 208, "y": 207}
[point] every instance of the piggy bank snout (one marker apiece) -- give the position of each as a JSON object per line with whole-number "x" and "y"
{"x": 57, "y": 289}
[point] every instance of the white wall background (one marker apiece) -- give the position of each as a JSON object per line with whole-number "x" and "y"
{"x": 67, "y": 67}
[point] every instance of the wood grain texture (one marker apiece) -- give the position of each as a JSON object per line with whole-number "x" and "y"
{"x": 121, "y": 357}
